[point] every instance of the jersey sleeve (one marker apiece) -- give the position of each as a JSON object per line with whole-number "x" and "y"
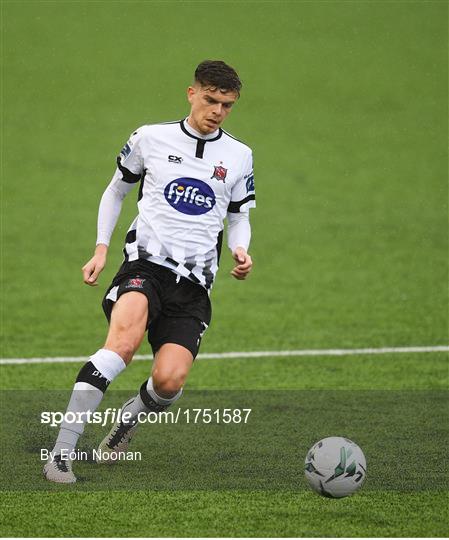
{"x": 110, "y": 207}
{"x": 243, "y": 194}
{"x": 239, "y": 230}
{"x": 130, "y": 160}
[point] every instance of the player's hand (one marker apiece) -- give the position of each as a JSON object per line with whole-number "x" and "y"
{"x": 243, "y": 264}
{"x": 91, "y": 270}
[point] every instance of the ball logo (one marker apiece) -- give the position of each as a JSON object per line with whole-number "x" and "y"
{"x": 190, "y": 196}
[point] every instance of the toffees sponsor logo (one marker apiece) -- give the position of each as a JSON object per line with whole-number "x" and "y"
{"x": 190, "y": 196}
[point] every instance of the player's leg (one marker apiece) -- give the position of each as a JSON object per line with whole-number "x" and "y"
{"x": 127, "y": 328}
{"x": 128, "y": 325}
{"x": 171, "y": 366}
{"x": 175, "y": 337}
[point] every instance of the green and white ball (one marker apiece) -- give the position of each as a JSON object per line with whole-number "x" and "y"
{"x": 335, "y": 467}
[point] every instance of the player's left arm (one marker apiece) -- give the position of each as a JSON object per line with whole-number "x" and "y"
{"x": 239, "y": 230}
{"x": 239, "y": 236}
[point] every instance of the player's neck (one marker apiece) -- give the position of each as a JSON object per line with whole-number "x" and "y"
{"x": 196, "y": 133}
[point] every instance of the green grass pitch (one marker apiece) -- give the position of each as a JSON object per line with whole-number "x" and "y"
{"x": 345, "y": 106}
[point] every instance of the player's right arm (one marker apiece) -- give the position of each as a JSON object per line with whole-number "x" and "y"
{"x": 129, "y": 172}
{"x": 91, "y": 270}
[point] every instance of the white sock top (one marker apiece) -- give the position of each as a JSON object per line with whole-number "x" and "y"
{"x": 108, "y": 363}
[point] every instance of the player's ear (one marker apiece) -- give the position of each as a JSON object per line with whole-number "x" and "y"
{"x": 191, "y": 91}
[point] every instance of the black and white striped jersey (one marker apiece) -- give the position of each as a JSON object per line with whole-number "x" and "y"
{"x": 188, "y": 184}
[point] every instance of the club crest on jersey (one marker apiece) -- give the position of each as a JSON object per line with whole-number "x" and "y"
{"x": 219, "y": 173}
{"x": 135, "y": 283}
{"x": 190, "y": 196}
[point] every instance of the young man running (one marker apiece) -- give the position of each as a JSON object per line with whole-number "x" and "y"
{"x": 191, "y": 175}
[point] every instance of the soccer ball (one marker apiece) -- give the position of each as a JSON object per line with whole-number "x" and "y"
{"x": 335, "y": 467}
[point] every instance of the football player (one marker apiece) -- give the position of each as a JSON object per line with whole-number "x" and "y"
{"x": 191, "y": 176}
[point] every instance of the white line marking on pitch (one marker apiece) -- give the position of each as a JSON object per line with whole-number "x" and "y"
{"x": 248, "y": 354}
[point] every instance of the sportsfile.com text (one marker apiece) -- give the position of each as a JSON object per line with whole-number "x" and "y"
{"x": 112, "y": 415}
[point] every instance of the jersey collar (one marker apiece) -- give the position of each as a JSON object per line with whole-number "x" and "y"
{"x": 188, "y": 130}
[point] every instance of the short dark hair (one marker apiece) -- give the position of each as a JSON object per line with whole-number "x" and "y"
{"x": 217, "y": 74}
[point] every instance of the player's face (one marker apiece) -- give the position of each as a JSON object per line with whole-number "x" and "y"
{"x": 209, "y": 107}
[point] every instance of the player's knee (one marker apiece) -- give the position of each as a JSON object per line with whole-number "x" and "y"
{"x": 167, "y": 387}
{"x": 169, "y": 382}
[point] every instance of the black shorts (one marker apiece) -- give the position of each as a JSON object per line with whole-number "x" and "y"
{"x": 179, "y": 310}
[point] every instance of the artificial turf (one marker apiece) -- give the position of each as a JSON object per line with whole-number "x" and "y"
{"x": 345, "y": 107}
